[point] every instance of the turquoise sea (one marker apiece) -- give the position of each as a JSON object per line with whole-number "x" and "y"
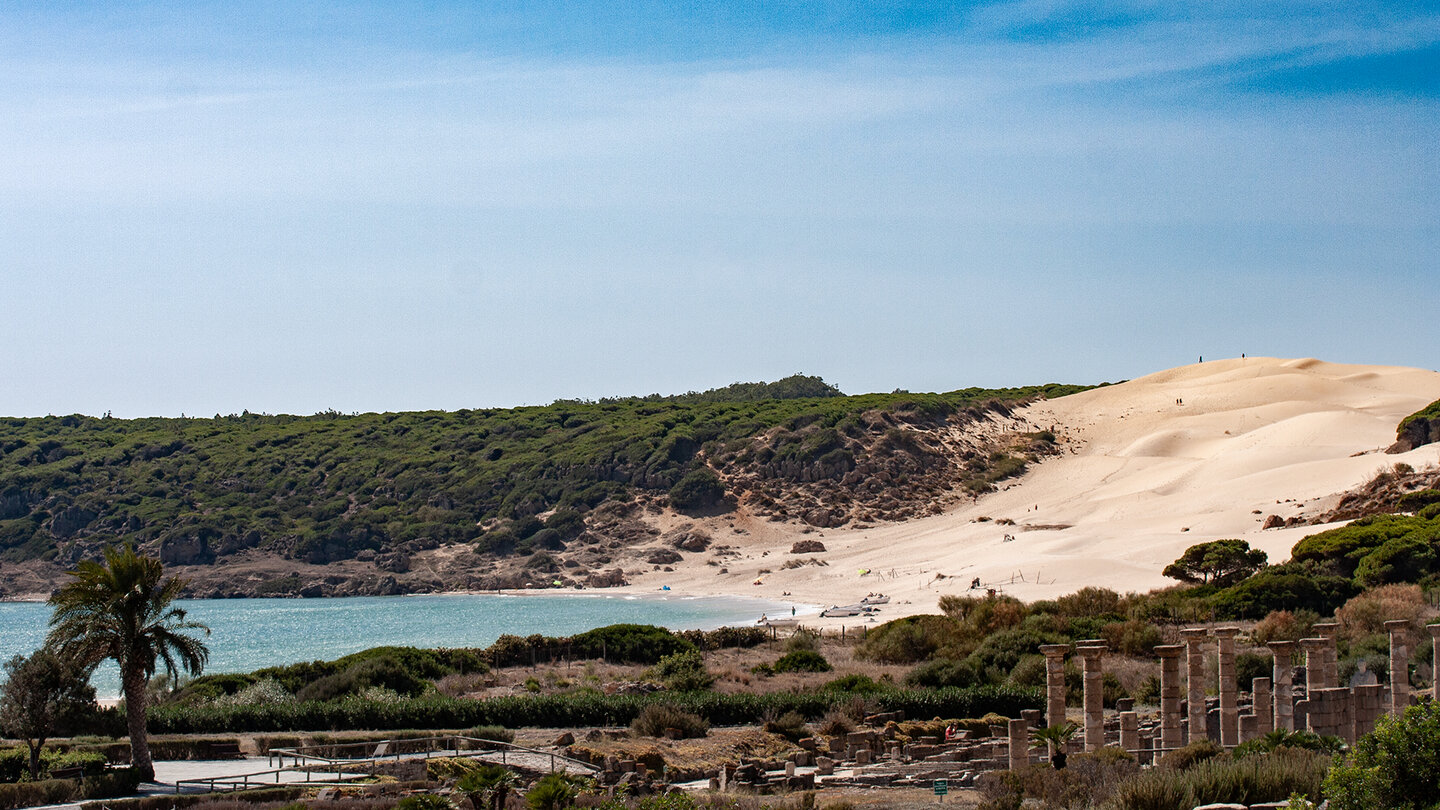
{"x": 247, "y": 634}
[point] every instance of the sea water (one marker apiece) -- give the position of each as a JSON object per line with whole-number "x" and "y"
{"x": 247, "y": 634}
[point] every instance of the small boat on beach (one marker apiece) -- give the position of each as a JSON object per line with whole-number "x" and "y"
{"x": 875, "y": 599}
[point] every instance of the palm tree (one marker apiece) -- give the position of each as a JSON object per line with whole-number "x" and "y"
{"x": 1054, "y": 738}
{"x": 122, "y": 611}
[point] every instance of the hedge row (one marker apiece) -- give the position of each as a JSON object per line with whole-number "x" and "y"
{"x": 576, "y": 709}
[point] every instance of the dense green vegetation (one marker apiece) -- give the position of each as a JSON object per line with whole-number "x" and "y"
{"x": 326, "y": 487}
{"x": 579, "y": 708}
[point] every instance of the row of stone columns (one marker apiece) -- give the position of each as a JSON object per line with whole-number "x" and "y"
{"x": 1332, "y": 709}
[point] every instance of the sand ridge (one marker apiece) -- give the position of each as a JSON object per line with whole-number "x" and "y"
{"x": 1150, "y": 467}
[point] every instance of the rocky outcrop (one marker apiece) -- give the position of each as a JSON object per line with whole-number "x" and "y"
{"x": 1417, "y": 431}
{"x": 807, "y": 547}
{"x": 186, "y": 549}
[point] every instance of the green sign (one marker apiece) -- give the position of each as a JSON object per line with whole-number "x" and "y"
{"x": 942, "y": 787}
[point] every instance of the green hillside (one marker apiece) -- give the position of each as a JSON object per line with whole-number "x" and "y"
{"x": 325, "y": 487}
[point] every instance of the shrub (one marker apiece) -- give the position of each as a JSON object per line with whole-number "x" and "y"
{"x": 385, "y": 671}
{"x": 1394, "y": 766}
{"x": 802, "y": 661}
{"x": 855, "y": 684}
{"x": 655, "y": 718}
{"x": 1366, "y": 614}
{"x": 496, "y": 733}
{"x": 943, "y": 672}
{"x": 1134, "y": 637}
{"x": 110, "y": 783}
{"x": 907, "y": 641}
{"x": 424, "y": 801}
{"x": 684, "y": 672}
{"x": 34, "y": 794}
{"x": 1089, "y": 602}
{"x": 790, "y": 725}
{"x": 699, "y": 489}
{"x": 1285, "y": 625}
{"x": 1188, "y": 756}
{"x": 630, "y": 643}
{"x": 1249, "y": 666}
{"x": 1250, "y": 780}
{"x": 552, "y": 792}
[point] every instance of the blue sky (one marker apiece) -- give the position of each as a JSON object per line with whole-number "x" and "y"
{"x": 295, "y": 206}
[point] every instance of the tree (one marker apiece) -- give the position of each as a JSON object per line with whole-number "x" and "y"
{"x": 122, "y": 611}
{"x": 1219, "y": 561}
{"x": 42, "y": 695}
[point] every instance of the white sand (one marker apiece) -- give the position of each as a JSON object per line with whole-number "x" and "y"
{"x": 1142, "y": 478}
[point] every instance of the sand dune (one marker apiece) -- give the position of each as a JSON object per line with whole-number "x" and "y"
{"x": 1151, "y": 466}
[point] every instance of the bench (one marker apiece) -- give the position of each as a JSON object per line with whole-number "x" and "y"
{"x": 68, "y": 773}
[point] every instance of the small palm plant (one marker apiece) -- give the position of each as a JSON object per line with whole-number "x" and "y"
{"x": 488, "y": 786}
{"x": 1054, "y": 738}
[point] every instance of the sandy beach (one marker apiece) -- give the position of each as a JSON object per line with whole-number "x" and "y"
{"x": 1150, "y": 466}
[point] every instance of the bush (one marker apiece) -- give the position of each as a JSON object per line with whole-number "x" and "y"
{"x": 1285, "y": 625}
{"x": 110, "y": 784}
{"x": 385, "y": 671}
{"x": 1289, "y": 586}
{"x": 574, "y": 709}
{"x": 699, "y": 489}
{"x": 908, "y": 640}
{"x": 496, "y": 733}
{"x": 684, "y": 672}
{"x": 790, "y": 725}
{"x": 1134, "y": 637}
{"x": 630, "y": 643}
{"x": 34, "y": 794}
{"x": 552, "y": 792}
{"x": 424, "y": 801}
{"x": 654, "y": 719}
{"x": 802, "y": 661}
{"x": 1251, "y": 780}
{"x": 1394, "y": 766}
{"x": 1366, "y": 614}
{"x": 942, "y": 672}
{"x": 1188, "y": 756}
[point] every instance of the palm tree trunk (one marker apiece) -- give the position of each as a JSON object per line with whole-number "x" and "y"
{"x": 135, "y": 718}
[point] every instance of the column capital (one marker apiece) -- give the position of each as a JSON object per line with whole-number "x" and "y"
{"x": 1054, "y": 650}
{"x": 1397, "y": 626}
{"x": 1090, "y": 651}
{"x": 1225, "y": 632}
{"x": 1434, "y": 630}
{"x": 1174, "y": 650}
{"x": 1281, "y": 647}
{"x": 1326, "y": 629}
{"x": 1195, "y": 633}
{"x": 1311, "y": 644}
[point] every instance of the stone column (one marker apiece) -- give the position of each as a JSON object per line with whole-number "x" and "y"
{"x": 1399, "y": 631}
{"x": 1195, "y": 679}
{"x": 1314, "y": 663}
{"x": 1054, "y": 682}
{"x": 1263, "y": 708}
{"x": 1092, "y": 655}
{"x": 1283, "y": 674}
{"x": 1130, "y": 733}
{"x": 1229, "y": 689}
{"x": 1019, "y": 743}
{"x": 1331, "y": 672}
{"x": 1170, "y": 695}
{"x": 1435, "y": 661}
